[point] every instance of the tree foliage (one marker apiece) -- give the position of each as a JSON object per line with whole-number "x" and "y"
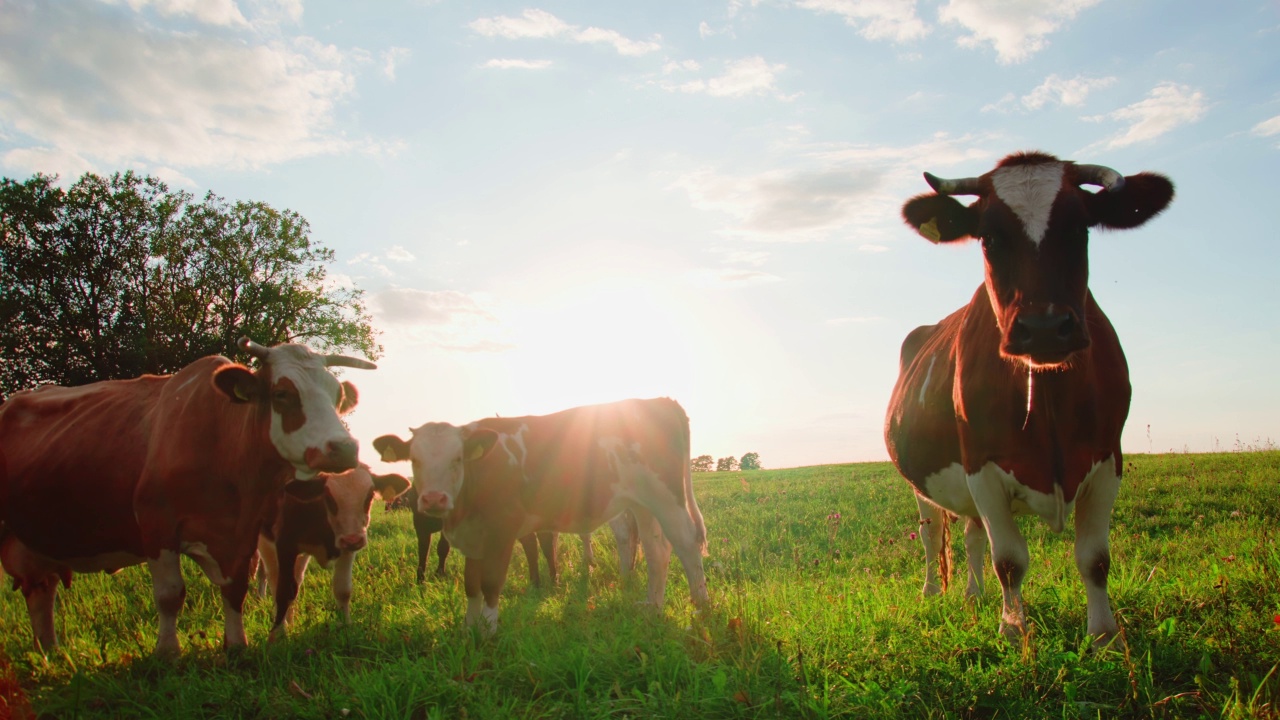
{"x": 727, "y": 464}
{"x": 702, "y": 463}
{"x": 118, "y": 276}
{"x": 749, "y": 461}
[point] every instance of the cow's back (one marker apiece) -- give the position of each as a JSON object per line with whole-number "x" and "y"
{"x": 76, "y": 454}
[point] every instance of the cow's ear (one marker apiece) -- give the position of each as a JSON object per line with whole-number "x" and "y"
{"x": 391, "y": 448}
{"x": 1142, "y": 197}
{"x": 478, "y": 444}
{"x": 305, "y": 490}
{"x": 940, "y": 218}
{"x": 238, "y": 383}
{"x": 349, "y": 398}
{"x": 390, "y": 486}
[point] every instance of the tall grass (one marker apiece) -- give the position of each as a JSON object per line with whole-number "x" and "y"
{"x": 816, "y": 585}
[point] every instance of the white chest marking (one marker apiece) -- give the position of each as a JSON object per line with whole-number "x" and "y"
{"x": 1029, "y": 190}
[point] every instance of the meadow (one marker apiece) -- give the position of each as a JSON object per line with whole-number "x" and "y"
{"x": 815, "y": 579}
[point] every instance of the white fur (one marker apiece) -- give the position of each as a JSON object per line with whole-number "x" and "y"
{"x": 1029, "y": 190}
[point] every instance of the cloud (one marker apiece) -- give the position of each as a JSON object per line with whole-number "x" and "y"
{"x": 893, "y": 20}
{"x": 515, "y": 64}
{"x": 534, "y": 23}
{"x": 92, "y": 84}
{"x": 873, "y": 248}
{"x": 846, "y": 189}
{"x": 391, "y": 59}
{"x": 1165, "y": 108}
{"x": 731, "y": 278}
{"x": 212, "y": 12}
{"x": 1060, "y": 91}
{"x": 749, "y": 76}
{"x": 399, "y": 254}
{"x": 1267, "y": 128}
{"x": 445, "y": 319}
{"x": 1015, "y": 28}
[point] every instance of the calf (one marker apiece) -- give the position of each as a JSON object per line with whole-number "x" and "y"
{"x": 327, "y": 522}
{"x": 1015, "y": 402}
{"x": 497, "y": 479}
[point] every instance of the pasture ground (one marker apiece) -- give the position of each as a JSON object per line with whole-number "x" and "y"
{"x": 816, "y": 585}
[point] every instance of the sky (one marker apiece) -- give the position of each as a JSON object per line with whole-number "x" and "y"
{"x": 561, "y": 202}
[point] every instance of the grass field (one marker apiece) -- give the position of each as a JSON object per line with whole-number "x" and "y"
{"x": 816, "y": 585}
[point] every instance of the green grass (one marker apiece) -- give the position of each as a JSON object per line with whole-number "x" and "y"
{"x": 814, "y": 617}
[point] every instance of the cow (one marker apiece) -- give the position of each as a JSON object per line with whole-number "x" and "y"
{"x": 328, "y": 521}
{"x": 497, "y": 479}
{"x": 119, "y": 472}
{"x": 1015, "y": 402}
{"x": 424, "y": 526}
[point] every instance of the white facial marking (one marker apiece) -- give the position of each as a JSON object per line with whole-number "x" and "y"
{"x": 1029, "y": 190}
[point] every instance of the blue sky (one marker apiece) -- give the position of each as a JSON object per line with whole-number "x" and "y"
{"x": 558, "y": 203}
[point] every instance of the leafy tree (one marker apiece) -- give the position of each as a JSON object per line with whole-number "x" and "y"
{"x": 727, "y": 464}
{"x": 118, "y": 276}
{"x": 750, "y": 461}
{"x": 702, "y": 463}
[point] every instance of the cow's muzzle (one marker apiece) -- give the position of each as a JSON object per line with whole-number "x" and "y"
{"x": 353, "y": 542}
{"x": 1045, "y": 338}
{"x": 434, "y": 503}
{"x": 336, "y": 456}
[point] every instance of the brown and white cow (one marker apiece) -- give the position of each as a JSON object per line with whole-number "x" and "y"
{"x": 497, "y": 479}
{"x": 1015, "y": 402}
{"x": 328, "y": 521}
{"x": 115, "y": 473}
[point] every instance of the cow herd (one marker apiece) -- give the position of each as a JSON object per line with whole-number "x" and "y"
{"x": 1012, "y": 404}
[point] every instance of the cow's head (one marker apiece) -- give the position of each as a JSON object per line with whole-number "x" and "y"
{"x": 305, "y": 401}
{"x": 347, "y": 498}
{"x": 438, "y": 453}
{"x": 1033, "y": 219}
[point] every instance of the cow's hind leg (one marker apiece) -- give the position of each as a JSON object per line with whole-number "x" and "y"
{"x": 1009, "y": 556}
{"x": 1093, "y": 552}
{"x": 550, "y": 542}
{"x": 975, "y": 550}
{"x": 530, "y": 545}
{"x": 170, "y": 593}
{"x": 40, "y": 596}
{"x": 935, "y": 534}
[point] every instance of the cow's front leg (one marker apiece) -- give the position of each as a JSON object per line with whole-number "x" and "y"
{"x": 1093, "y": 553}
{"x": 1009, "y": 556}
{"x": 170, "y": 593}
{"x": 40, "y": 595}
{"x": 975, "y": 550}
{"x": 530, "y": 545}
{"x": 286, "y": 587}
{"x": 484, "y": 578}
{"x": 342, "y": 584}
{"x": 657, "y": 553}
{"x": 442, "y": 554}
{"x": 233, "y": 608}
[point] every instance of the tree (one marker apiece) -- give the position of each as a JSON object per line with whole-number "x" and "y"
{"x": 727, "y": 464}
{"x": 702, "y": 463}
{"x": 116, "y": 277}
{"x": 750, "y": 461}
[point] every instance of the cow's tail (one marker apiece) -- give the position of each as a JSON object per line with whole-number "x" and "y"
{"x": 691, "y": 502}
{"x": 944, "y": 554}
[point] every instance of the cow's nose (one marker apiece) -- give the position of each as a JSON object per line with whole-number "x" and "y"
{"x": 345, "y": 452}
{"x": 433, "y": 503}
{"x": 352, "y": 542}
{"x": 1051, "y": 335}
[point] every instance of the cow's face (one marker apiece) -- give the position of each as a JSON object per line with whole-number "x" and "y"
{"x": 1033, "y": 220}
{"x": 438, "y": 454}
{"x": 305, "y": 401}
{"x": 347, "y": 497}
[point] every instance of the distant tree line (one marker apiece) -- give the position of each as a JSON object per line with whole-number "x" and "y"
{"x": 749, "y": 461}
{"x": 118, "y": 276}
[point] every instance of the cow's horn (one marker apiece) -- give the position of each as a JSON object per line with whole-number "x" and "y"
{"x": 345, "y": 361}
{"x": 254, "y": 348}
{"x": 947, "y": 186}
{"x": 1100, "y": 175}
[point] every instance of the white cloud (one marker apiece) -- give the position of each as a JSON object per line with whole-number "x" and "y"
{"x": 873, "y": 248}
{"x": 399, "y": 254}
{"x": 534, "y": 23}
{"x": 391, "y": 59}
{"x": 212, "y": 12}
{"x": 1267, "y": 128}
{"x": 81, "y": 81}
{"x": 1057, "y": 90}
{"x": 1166, "y": 107}
{"x": 517, "y": 64}
{"x": 674, "y": 65}
{"x": 446, "y": 319}
{"x": 747, "y": 257}
{"x": 893, "y": 20}
{"x": 748, "y": 76}
{"x": 731, "y": 278}
{"x": 1015, "y": 28}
